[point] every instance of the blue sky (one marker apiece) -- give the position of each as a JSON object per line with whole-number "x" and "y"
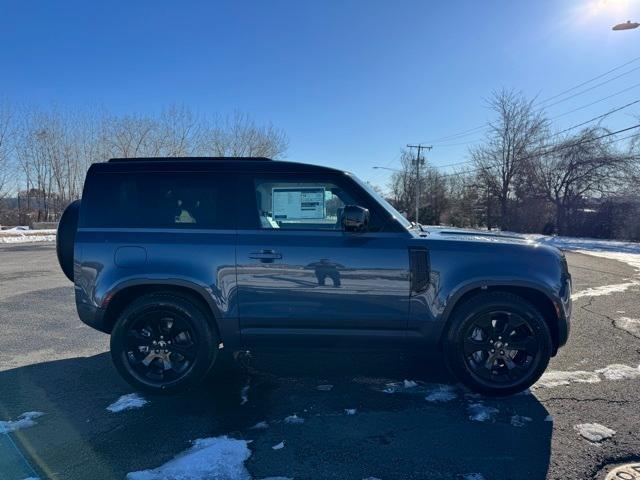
{"x": 351, "y": 82}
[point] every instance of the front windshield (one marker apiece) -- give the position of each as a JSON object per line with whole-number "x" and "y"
{"x": 382, "y": 201}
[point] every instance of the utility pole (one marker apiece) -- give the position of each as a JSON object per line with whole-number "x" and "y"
{"x": 418, "y": 163}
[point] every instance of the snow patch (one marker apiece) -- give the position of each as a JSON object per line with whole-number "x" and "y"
{"x": 548, "y": 418}
{"x": 472, "y": 476}
{"x": 221, "y": 458}
{"x": 441, "y": 393}
{"x": 127, "y": 402}
{"x": 520, "y": 420}
{"x": 629, "y": 325}
{"x": 260, "y": 426}
{"x": 350, "y": 411}
{"x": 294, "y": 419}
{"x": 553, "y": 378}
{"x": 27, "y": 419}
{"x": 604, "y": 290}
{"x": 14, "y": 235}
{"x": 278, "y": 446}
{"x": 628, "y": 252}
{"x": 244, "y": 394}
{"x": 479, "y": 412}
{"x": 410, "y": 384}
{"x": 619, "y": 372}
{"x": 594, "y": 432}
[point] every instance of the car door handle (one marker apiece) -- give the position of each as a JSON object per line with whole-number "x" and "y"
{"x": 265, "y": 255}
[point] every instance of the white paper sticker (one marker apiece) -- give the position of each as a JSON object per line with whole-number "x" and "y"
{"x": 298, "y": 203}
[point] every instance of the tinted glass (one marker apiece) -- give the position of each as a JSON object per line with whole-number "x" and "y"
{"x": 158, "y": 200}
{"x": 283, "y": 202}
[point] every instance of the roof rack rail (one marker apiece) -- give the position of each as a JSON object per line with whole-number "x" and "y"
{"x": 187, "y": 159}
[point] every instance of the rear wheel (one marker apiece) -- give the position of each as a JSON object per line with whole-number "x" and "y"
{"x": 498, "y": 344}
{"x": 163, "y": 343}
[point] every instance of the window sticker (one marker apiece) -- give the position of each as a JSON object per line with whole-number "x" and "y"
{"x": 298, "y": 203}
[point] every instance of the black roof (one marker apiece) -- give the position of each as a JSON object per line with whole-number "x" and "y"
{"x": 204, "y": 164}
{"x": 188, "y": 159}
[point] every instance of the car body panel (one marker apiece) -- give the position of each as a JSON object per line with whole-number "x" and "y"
{"x": 367, "y": 292}
{"x": 322, "y": 280}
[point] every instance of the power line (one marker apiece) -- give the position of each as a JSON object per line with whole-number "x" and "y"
{"x": 593, "y": 79}
{"x": 597, "y": 118}
{"x": 597, "y": 101}
{"x": 555, "y": 134}
{"x": 590, "y": 88}
{"x": 480, "y": 127}
{"x": 553, "y": 150}
{"x": 624, "y": 90}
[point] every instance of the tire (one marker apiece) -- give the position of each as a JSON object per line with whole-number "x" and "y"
{"x": 487, "y": 323}
{"x": 66, "y": 237}
{"x": 185, "y": 341}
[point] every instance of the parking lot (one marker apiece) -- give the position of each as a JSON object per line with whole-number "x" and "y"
{"x": 355, "y": 416}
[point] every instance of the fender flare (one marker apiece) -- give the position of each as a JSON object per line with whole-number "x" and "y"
{"x": 460, "y": 290}
{"x": 202, "y": 292}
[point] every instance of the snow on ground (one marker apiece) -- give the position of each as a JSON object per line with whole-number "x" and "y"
{"x": 594, "y": 432}
{"x": 260, "y": 426}
{"x": 557, "y": 378}
{"x": 130, "y": 401}
{"x": 244, "y": 394}
{"x": 619, "y": 372}
{"x": 221, "y": 458}
{"x": 24, "y": 236}
{"x": 441, "y": 393}
{"x": 630, "y": 325}
{"x": 293, "y": 420}
{"x": 350, "y": 411}
{"x": 479, "y": 412}
{"x": 27, "y": 419}
{"x": 554, "y": 378}
{"x": 324, "y": 388}
{"x": 520, "y": 420}
{"x": 433, "y": 392}
{"x": 604, "y": 290}
{"x": 627, "y": 252}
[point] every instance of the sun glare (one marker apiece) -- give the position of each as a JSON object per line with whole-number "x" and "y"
{"x": 593, "y": 8}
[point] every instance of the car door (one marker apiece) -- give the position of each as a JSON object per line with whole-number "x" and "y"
{"x": 300, "y": 275}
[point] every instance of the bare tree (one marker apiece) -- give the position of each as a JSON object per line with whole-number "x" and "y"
{"x": 240, "y": 136}
{"x": 512, "y": 139}
{"x": 580, "y": 166}
{"x": 433, "y": 190}
{"x": 7, "y": 125}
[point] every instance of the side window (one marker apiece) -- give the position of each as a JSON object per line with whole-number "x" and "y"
{"x": 158, "y": 200}
{"x": 284, "y": 203}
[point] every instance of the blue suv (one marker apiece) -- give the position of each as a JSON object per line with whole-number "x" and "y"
{"x": 180, "y": 258}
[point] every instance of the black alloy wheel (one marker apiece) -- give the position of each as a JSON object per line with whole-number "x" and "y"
{"x": 160, "y": 347}
{"x": 497, "y": 343}
{"x": 500, "y": 346}
{"x": 164, "y": 343}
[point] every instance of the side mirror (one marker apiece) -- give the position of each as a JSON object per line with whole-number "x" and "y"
{"x": 355, "y": 218}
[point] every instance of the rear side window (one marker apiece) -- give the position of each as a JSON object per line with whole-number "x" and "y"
{"x": 158, "y": 200}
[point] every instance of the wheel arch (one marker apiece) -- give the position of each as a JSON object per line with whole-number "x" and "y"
{"x": 532, "y": 293}
{"x": 123, "y": 295}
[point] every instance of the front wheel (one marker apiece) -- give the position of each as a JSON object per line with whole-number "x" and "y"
{"x": 497, "y": 344}
{"x": 163, "y": 343}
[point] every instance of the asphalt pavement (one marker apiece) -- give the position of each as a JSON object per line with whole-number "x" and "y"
{"x": 50, "y": 362}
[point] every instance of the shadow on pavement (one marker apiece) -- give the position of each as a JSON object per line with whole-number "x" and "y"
{"x": 397, "y": 435}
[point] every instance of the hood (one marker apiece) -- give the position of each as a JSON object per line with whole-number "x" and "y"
{"x": 481, "y": 236}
